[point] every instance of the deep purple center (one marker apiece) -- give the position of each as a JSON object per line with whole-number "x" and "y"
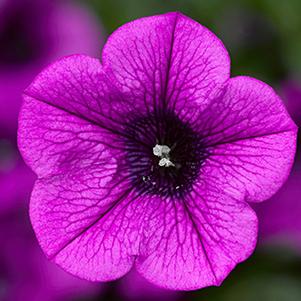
{"x": 187, "y": 154}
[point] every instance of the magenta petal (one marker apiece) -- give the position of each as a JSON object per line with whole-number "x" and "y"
{"x": 167, "y": 60}
{"x": 71, "y": 91}
{"x": 80, "y": 209}
{"x": 54, "y": 141}
{"x": 88, "y": 231}
{"x": 251, "y": 140}
{"x": 195, "y": 243}
{"x": 78, "y": 86}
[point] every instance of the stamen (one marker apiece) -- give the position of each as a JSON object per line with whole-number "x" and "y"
{"x": 165, "y": 162}
{"x": 165, "y": 168}
{"x": 163, "y": 151}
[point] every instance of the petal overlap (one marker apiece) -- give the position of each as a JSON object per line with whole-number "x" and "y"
{"x": 208, "y": 234}
{"x": 90, "y": 232}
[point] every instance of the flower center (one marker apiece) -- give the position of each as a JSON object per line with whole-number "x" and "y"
{"x": 164, "y": 154}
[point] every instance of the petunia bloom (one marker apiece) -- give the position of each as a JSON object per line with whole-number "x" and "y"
{"x": 148, "y": 157}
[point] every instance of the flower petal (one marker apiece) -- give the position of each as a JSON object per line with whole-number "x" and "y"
{"x": 251, "y": 140}
{"x": 87, "y": 225}
{"x": 166, "y": 60}
{"x": 81, "y": 208}
{"x": 72, "y": 91}
{"x": 54, "y": 141}
{"x": 194, "y": 243}
{"x": 77, "y": 85}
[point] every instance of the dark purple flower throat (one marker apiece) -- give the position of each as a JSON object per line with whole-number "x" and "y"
{"x": 164, "y": 154}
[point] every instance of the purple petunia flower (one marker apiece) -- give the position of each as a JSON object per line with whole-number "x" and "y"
{"x": 149, "y": 157}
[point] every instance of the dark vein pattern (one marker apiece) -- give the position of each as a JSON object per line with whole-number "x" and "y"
{"x": 149, "y": 157}
{"x": 187, "y": 154}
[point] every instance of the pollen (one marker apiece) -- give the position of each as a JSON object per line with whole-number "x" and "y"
{"x": 162, "y": 151}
